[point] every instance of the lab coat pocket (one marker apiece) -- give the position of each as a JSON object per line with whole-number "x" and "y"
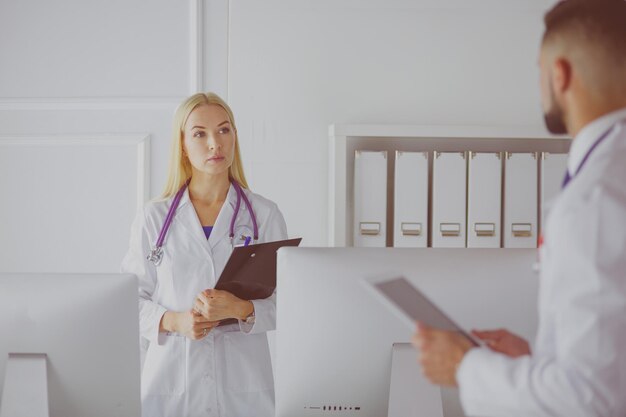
{"x": 248, "y": 362}
{"x": 242, "y": 233}
{"x": 164, "y": 368}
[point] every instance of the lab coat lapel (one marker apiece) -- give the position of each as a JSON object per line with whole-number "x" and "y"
{"x": 187, "y": 216}
{"x": 221, "y": 229}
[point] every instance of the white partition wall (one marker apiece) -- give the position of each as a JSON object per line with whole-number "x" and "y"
{"x": 411, "y": 200}
{"x": 484, "y": 200}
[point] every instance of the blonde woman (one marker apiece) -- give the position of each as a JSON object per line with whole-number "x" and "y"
{"x": 178, "y": 248}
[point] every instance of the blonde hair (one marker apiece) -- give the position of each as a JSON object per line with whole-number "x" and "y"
{"x": 180, "y": 167}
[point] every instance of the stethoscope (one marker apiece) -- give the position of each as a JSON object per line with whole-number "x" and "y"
{"x": 156, "y": 254}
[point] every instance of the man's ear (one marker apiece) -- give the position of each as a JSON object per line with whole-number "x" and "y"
{"x": 561, "y": 76}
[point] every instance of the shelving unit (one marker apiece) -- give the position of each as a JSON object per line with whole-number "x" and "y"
{"x": 346, "y": 139}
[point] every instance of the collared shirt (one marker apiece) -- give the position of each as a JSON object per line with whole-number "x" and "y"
{"x": 588, "y": 135}
{"x": 578, "y": 364}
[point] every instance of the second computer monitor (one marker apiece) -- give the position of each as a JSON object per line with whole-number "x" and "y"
{"x": 334, "y": 337}
{"x": 70, "y": 345}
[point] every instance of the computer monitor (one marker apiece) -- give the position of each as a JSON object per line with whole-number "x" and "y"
{"x": 73, "y": 338}
{"x": 334, "y": 337}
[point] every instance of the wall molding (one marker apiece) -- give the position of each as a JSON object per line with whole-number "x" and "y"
{"x": 196, "y": 46}
{"x": 228, "y": 50}
{"x": 89, "y": 103}
{"x": 216, "y": 47}
{"x": 196, "y": 64}
{"x": 209, "y": 44}
{"x": 140, "y": 141}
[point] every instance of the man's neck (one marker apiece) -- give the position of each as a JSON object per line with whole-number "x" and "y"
{"x": 588, "y": 112}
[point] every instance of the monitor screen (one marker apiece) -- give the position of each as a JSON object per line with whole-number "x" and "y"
{"x": 86, "y": 329}
{"x": 334, "y": 338}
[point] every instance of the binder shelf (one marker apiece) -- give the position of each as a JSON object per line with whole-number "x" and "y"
{"x": 437, "y": 186}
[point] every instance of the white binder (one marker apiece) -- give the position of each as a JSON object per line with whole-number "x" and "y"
{"x": 484, "y": 200}
{"x": 449, "y": 199}
{"x": 553, "y": 168}
{"x": 520, "y": 200}
{"x": 411, "y": 200}
{"x": 370, "y": 199}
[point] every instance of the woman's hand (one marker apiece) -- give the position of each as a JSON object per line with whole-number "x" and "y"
{"x": 216, "y": 305}
{"x": 504, "y": 342}
{"x": 187, "y": 323}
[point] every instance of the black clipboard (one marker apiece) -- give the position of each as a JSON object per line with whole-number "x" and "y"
{"x": 250, "y": 273}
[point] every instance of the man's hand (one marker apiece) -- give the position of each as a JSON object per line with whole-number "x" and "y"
{"x": 440, "y": 354}
{"x": 503, "y": 341}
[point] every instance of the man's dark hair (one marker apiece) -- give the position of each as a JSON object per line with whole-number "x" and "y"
{"x": 593, "y": 32}
{"x": 601, "y": 22}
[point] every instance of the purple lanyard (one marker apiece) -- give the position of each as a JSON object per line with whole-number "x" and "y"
{"x": 156, "y": 254}
{"x": 569, "y": 177}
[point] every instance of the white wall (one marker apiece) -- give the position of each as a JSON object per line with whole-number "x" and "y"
{"x": 87, "y": 94}
{"x": 297, "y": 66}
{"x": 80, "y": 73}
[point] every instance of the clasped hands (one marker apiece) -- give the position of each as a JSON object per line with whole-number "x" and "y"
{"x": 217, "y": 305}
{"x": 210, "y": 307}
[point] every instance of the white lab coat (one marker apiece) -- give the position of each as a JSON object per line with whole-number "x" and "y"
{"x": 578, "y": 365}
{"x": 229, "y": 372}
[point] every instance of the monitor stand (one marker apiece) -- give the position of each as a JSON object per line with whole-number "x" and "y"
{"x": 25, "y": 386}
{"x": 410, "y": 394}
